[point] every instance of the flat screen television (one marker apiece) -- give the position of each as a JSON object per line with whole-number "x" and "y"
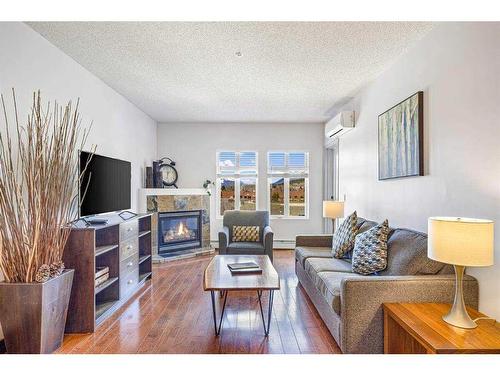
{"x": 105, "y": 185}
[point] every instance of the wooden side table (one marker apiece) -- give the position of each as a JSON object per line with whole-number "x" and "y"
{"x": 418, "y": 328}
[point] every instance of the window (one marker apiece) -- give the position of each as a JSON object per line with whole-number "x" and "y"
{"x": 288, "y": 183}
{"x": 237, "y": 180}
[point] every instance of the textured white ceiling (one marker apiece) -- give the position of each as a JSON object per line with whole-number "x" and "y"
{"x": 191, "y": 71}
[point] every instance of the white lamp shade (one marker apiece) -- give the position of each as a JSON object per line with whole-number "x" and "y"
{"x": 460, "y": 241}
{"x": 333, "y": 209}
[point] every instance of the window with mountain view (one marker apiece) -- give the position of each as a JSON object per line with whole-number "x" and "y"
{"x": 277, "y": 195}
{"x": 288, "y": 183}
{"x": 237, "y": 180}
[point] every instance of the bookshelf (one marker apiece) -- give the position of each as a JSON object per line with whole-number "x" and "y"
{"x": 124, "y": 246}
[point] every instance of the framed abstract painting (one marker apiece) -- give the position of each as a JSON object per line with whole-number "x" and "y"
{"x": 401, "y": 139}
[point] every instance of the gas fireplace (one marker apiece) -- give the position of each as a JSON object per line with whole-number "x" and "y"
{"x": 180, "y": 230}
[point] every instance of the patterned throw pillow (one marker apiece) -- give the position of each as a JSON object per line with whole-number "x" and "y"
{"x": 244, "y": 233}
{"x": 343, "y": 238}
{"x": 370, "y": 250}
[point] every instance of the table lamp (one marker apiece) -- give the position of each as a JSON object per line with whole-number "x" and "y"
{"x": 461, "y": 242}
{"x": 333, "y": 210}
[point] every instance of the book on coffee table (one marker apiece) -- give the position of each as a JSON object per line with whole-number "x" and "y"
{"x": 244, "y": 271}
{"x": 246, "y": 267}
{"x": 239, "y": 266}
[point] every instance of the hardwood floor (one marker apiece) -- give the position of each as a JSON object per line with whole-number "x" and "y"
{"x": 172, "y": 314}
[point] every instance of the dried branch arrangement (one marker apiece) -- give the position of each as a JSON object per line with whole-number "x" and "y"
{"x": 39, "y": 174}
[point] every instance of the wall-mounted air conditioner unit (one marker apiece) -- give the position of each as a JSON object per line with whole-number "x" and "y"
{"x": 339, "y": 125}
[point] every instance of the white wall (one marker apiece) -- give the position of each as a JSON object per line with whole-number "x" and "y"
{"x": 29, "y": 62}
{"x": 458, "y": 68}
{"x": 193, "y": 146}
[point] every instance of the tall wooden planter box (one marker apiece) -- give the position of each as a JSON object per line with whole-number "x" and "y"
{"x": 33, "y": 315}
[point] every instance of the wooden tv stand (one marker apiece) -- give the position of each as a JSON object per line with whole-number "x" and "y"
{"x": 122, "y": 245}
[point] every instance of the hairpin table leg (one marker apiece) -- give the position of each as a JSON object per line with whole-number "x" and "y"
{"x": 269, "y": 311}
{"x": 217, "y": 330}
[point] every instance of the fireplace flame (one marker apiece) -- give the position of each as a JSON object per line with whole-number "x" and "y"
{"x": 181, "y": 230}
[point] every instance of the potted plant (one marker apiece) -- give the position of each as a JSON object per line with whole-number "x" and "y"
{"x": 207, "y": 185}
{"x": 39, "y": 176}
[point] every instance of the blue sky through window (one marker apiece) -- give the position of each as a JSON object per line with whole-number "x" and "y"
{"x": 296, "y": 159}
{"x": 248, "y": 159}
{"x": 227, "y": 159}
{"x": 277, "y": 159}
{"x": 234, "y": 162}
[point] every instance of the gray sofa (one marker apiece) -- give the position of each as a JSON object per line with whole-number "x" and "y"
{"x": 351, "y": 304}
{"x": 253, "y": 218}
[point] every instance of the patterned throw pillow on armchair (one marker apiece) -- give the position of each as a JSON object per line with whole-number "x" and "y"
{"x": 245, "y": 233}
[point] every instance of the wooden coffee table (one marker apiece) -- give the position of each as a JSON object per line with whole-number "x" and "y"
{"x": 218, "y": 277}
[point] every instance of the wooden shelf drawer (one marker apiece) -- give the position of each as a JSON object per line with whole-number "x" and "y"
{"x": 129, "y": 248}
{"x": 130, "y": 264}
{"x": 129, "y": 229}
{"x": 128, "y": 283}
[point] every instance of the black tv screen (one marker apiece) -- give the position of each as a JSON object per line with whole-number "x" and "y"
{"x": 105, "y": 185}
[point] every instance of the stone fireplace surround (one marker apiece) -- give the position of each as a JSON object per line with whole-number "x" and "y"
{"x": 174, "y": 200}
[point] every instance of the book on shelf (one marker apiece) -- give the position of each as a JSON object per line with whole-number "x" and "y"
{"x": 99, "y": 271}
{"x": 101, "y": 279}
{"x": 149, "y": 177}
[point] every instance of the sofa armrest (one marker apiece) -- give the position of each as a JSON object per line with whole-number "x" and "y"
{"x": 319, "y": 240}
{"x": 362, "y": 321}
{"x": 268, "y": 236}
{"x": 223, "y": 240}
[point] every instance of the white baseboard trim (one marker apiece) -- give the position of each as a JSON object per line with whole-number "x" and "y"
{"x": 278, "y": 244}
{"x": 284, "y": 244}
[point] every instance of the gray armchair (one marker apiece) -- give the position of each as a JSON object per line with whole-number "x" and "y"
{"x": 253, "y": 218}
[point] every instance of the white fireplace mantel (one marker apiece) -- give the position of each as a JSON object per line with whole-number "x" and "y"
{"x": 144, "y": 193}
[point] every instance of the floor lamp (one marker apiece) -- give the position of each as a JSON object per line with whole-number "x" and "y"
{"x": 333, "y": 210}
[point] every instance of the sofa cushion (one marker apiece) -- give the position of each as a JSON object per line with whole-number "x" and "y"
{"x": 304, "y": 252}
{"x": 370, "y": 250}
{"x": 407, "y": 254}
{"x": 365, "y": 225}
{"x": 343, "y": 238}
{"x": 328, "y": 284}
{"x": 313, "y": 266}
{"x": 447, "y": 270}
{"x": 245, "y": 248}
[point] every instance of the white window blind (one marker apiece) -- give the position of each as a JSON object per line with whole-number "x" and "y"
{"x": 288, "y": 184}
{"x": 233, "y": 162}
{"x": 280, "y": 162}
{"x": 237, "y": 180}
